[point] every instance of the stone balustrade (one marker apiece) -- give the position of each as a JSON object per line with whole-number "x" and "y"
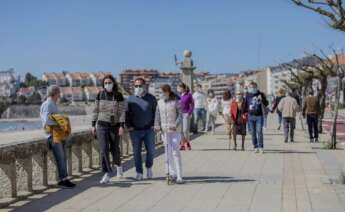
{"x": 29, "y": 167}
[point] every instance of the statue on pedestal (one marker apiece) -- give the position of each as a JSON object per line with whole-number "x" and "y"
{"x": 187, "y": 67}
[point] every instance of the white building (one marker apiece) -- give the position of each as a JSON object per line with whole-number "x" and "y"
{"x": 155, "y": 85}
{"x": 58, "y": 79}
{"x": 73, "y": 94}
{"x": 9, "y": 83}
{"x": 7, "y": 89}
{"x": 219, "y": 85}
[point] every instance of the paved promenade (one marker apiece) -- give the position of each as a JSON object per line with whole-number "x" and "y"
{"x": 288, "y": 177}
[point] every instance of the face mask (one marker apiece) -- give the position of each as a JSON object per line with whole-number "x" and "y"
{"x": 238, "y": 98}
{"x": 108, "y": 87}
{"x": 138, "y": 91}
{"x": 252, "y": 90}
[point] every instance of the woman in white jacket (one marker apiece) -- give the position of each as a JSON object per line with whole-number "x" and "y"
{"x": 212, "y": 110}
{"x": 167, "y": 120}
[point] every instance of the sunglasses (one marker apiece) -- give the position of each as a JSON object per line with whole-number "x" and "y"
{"x": 138, "y": 86}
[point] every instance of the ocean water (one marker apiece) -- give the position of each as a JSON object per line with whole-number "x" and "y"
{"x": 20, "y": 125}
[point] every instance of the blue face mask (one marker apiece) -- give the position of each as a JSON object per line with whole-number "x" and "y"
{"x": 252, "y": 90}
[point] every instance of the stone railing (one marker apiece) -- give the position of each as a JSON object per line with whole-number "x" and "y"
{"x": 29, "y": 167}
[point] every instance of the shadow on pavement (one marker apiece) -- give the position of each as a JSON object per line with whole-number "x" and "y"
{"x": 57, "y": 197}
{"x": 281, "y": 151}
{"x": 208, "y": 179}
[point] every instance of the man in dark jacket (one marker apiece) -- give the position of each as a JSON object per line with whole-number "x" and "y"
{"x": 140, "y": 118}
{"x": 256, "y": 104}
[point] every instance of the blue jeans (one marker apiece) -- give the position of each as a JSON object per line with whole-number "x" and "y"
{"x": 199, "y": 114}
{"x": 280, "y": 117}
{"x": 139, "y": 137}
{"x": 60, "y": 157}
{"x": 256, "y": 124}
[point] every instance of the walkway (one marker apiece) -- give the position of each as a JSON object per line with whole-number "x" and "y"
{"x": 288, "y": 177}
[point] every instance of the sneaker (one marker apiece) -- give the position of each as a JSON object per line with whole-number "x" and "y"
{"x": 149, "y": 173}
{"x": 256, "y": 150}
{"x": 285, "y": 141}
{"x": 179, "y": 181}
{"x": 311, "y": 140}
{"x": 182, "y": 147}
{"x": 261, "y": 150}
{"x": 66, "y": 184}
{"x": 119, "y": 172}
{"x": 278, "y": 128}
{"x": 139, "y": 176}
{"x": 316, "y": 140}
{"x": 105, "y": 179}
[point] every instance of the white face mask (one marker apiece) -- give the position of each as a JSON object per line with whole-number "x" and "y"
{"x": 109, "y": 87}
{"x": 238, "y": 98}
{"x": 138, "y": 91}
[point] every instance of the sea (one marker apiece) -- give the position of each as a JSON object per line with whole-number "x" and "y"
{"x": 19, "y": 125}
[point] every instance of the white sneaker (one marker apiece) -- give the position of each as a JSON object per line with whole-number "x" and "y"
{"x": 139, "y": 176}
{"x": 256, "y": 150}
{"x": 179, "y": 180}
{"x": 149, "y": 173}
{"x": 261, "y": 150}
{"x": 105, "y": 179}
{"x": 119, "y": 172}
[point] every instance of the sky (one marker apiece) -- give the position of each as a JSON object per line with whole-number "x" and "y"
{"x": 226, "y": 36}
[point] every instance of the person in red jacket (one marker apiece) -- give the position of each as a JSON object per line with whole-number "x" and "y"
{"x": 239, "y": 118}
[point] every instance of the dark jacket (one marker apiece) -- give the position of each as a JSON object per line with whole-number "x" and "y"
{"x": 141, "y": 112}
{"x": 276, "y": 103}
{"x": 251, "y": 98}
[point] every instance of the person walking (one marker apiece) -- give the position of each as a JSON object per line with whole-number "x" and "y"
{"x": 279, "y": 97}
{"x": 167, "y": 120}
{"x": 226, "y": 105}
{"x": 140, "y": 117}
{"x": 311, "y": 111}
{"x": 187, "y": 107}
{"x": 256, "y": 103}
{"x": 288, "y": 107}
{"x": 212, "y": 111}
{"x": 239, "y": 119}
{"x": 49, "y": 108}
{"x": 200, "y": 102}
{"x": 108, "y": 125}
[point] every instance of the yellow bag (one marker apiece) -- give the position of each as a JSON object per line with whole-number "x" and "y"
{"x": 62, "y": 130}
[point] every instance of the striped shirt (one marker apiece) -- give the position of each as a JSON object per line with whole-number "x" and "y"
{"x": 109, "y": 109}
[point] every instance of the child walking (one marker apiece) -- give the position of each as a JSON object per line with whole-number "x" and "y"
{"x": 167, "y": 120}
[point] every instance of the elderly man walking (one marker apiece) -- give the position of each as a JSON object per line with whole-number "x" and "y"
{"x": 49, "y": 108}
{"x": 288, "y": 106}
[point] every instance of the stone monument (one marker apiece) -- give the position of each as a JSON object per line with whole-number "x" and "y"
{"x": 187, "y": 67}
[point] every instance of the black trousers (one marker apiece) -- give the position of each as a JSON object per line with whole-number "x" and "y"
{"x": 312, "y": 121}
{"x": 109, "y": 142}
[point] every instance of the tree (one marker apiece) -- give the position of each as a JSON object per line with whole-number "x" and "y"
{"x": 34, "y": 99}
{"x": 332, "y": 10}
{"x": 32, "y": 81}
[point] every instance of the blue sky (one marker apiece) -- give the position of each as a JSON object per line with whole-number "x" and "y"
{"x": 225, "y": 35}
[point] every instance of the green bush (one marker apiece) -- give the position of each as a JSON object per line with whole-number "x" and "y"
{"x": 341, "y": 106}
